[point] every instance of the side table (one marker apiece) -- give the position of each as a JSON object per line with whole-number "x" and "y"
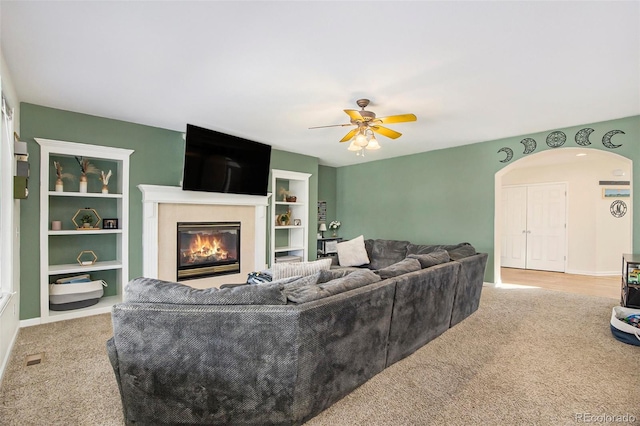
{"x": 327, "y": 247}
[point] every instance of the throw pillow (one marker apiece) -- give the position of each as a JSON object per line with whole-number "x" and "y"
{"x": 403, "y": 267}
{"x": 428, "y": 260}
{"x": 352, "y": 252}
{"x": 149, "y": 290}
{"x": 383, "y": 253}
{"x": 461, "y": 251}
{"x": 423, "y": 248}
{"x": 284, "y": 270}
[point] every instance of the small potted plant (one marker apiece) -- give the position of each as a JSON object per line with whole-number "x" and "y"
{"x": 284, "y": 219}
{"x": 86, "y": 220}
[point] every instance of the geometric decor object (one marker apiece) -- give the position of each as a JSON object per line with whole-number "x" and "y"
{"x": 582, "y": 137}
{"x": 508, "y": 152}
{"x": 529, "y": 145}
{"x": 87, "y": 257}
{"x": 606, "y": 139}
{"x": 618, "y": 209}
{"x": 556, "y": 139}
{"x": 88, "y": 217}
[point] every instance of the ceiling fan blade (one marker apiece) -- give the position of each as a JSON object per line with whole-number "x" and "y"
{"x": 354, "y": 114}
{"x": 386, "y": 132}
{"x": 349, "y": 135}
{"x": 402, "y": 118}
{"x": 332, "y": 125}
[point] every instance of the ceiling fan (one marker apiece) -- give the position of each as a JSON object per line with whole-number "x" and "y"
{"x": 366, "y": 123}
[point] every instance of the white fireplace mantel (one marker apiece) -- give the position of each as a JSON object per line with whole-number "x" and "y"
{"x": 154, "y": 195}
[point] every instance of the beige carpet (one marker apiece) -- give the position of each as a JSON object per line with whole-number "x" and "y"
{"x": 525, "y": 357}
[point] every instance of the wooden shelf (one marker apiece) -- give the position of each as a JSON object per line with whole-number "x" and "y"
{"x": 72, "y": 268}
{"x": 288, "y": 248}
{"x": 287, "y": 203}
{"x": 83, "y": 194}
{"x": 86, "y": 232}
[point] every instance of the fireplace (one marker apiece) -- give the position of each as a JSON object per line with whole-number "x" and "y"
{"x": 208, "y": 249}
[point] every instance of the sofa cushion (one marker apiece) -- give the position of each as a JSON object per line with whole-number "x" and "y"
{"x": 351, "y": 281}
{"x": 459, "y": 251}
{"x": 355, "y": 279}
{"x": 399, "y": 268}
{"x": 291, "y": 286}
{"x": 383, "y": 253}
{"x": 284, "y": 270}
{"x": 428, "y": 260}
{"x": 149, "y": 290}
{"x": 352, "y": 252}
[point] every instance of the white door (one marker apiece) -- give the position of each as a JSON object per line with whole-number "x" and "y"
{"x": 534, "y": 230}
{"x": 514, "y": 227}
{"x": 546, "y": 231}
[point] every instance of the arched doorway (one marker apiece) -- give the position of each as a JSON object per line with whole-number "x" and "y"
{"x": 591, "y": 228}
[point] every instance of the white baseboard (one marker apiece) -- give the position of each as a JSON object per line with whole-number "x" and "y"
{"x": 6, "y": 359}
{"x": 593, "y": 273}
{"x": 30, "y": 322}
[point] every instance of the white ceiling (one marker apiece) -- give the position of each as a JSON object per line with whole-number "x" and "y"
{"x": 470, "y": 71}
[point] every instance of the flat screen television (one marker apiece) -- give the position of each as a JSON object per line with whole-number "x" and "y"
{"x": 217, "y": 162}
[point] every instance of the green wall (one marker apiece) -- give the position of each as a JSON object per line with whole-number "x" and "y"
{"x": 447, "y": 196}
{"x": 157, "y": 160}
{"x": 327, "y": 191}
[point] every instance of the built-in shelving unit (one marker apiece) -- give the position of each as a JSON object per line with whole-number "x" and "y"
{"x": 59, "y": 249}
{"x": 291, "y": 239}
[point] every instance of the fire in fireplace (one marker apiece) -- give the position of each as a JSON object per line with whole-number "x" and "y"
{"x": 208, "y": 249}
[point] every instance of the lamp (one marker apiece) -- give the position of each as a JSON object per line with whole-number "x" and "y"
{"x": 322, "y": 228}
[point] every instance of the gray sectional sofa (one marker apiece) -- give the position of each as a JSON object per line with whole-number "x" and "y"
{"x": 280, "y": 353}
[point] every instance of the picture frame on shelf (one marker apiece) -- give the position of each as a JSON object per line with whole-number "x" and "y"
{"x": 109, "y": 223}
{"x": 297, "y": 222}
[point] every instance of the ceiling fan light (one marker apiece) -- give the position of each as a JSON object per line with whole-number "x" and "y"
{"x": 373, "y": 144}
{"x": 354, "y": 147}
{"x": 361, "y": 140}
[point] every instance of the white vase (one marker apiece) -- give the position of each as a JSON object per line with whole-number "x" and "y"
{"x": 105, "y": 189}
{"x": 83, "y": 183}
{"x": 59, "y": 185}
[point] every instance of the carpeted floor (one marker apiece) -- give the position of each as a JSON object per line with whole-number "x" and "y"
{"x": 527, "y": 356}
